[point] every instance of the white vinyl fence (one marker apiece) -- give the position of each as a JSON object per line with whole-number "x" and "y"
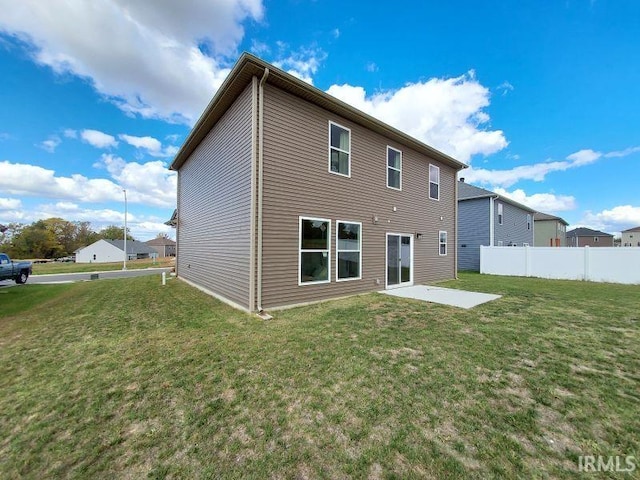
{"x": 601, "y": 264}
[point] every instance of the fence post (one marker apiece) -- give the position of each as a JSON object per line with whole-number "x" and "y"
{"x": 527, "y": 261}
{"x": 587, "y": 266}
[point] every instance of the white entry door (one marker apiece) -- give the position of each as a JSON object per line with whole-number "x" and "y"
{"x": 399, "y": 260}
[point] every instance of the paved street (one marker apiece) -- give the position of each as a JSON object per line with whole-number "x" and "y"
{"x": 78, "y": 277}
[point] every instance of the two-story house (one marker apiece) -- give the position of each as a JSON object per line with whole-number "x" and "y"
{"x": 631, "y": 237}
{"x": 486, "y": 218}
{"x": 550, "y": 231}
{"x": 586, "y": 237}
{"x": 287, "y": 195}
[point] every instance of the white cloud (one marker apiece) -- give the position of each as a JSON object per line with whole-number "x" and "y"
{"x": 542, "y": 202}
{"x": 11, "y": 210}
{"x": 259, "y": 48}
{"x": 505, "y": 87}
{"x": 444, "y": 113}
{"x": 98, "y": 139}
{"x": 51, "y": 143}
{"x": 302, "y": 64}
{"x": 142, "y": 227}
{"x": 584, "y": 157}
{"x": 146, "y": 57}
{"x": 622, "y": 153}
{"x": 70, "y": 133}
{"x": 371, "y": 67}
{"x": 73, "y": 212}
{"x": 335, "y": 32}
{"x": 616, "y": 219}
{"x": 10, "y": 204}
{"x": 538, "y": 171}
{"x": 153, "y": 146}
{"x": 149, "y": 184}
{"x": 507, "y": 178}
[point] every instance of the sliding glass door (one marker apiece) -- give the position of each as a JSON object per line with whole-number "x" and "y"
{"x": 399, "y": 260}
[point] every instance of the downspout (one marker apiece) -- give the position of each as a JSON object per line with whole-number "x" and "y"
{"x": 177, "y": 226}
{"x": 455, "y": 229}
{"x": 491, "y": 221}
{"x": 260, "y": 182}
{"x": 254, "y": 161}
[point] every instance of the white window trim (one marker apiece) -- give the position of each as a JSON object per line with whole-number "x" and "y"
{"x": 500, "y": 214}
{"x": 339, "y": 149}
{"x": 338, "y": 251}
{"x": 446, "y": 243}
{"x": 386, "y": 260}
{"x": 328, "y": 250}
{"x": 430, "y": 182}
{"x": 393, "y": 168}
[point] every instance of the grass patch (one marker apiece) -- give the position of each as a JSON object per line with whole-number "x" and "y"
{"x": 126, "y": 378}
{"x": 71, "y": 267}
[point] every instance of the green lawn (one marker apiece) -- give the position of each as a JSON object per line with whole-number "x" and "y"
{"x": 71, "y": 267}
{"x": 130, "y": 379}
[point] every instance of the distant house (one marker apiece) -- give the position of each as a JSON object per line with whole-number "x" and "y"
{"x": 287, "y": 195}
{"x": 105, "y": 251}
{"x": 486, "y": 218}
{"x": 550, "y": 231}
{"x": 631, "y": 237}
{"x": 164, "y": 246}
{"x": 586, "y": 237}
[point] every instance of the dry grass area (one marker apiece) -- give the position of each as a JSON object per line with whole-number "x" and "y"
{"x": 165, "y": 382}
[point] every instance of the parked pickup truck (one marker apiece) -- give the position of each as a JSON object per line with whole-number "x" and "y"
{"x": 18, "y": 271}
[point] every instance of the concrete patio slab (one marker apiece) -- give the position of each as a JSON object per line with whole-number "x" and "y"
{"x": 445, "y": 296}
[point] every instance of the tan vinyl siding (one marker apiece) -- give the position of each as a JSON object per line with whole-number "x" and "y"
{"x": 297, "y": 183}
{"x": 214, "y": 207}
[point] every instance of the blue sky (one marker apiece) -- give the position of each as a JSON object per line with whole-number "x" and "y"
{"x": 541, "y": 99}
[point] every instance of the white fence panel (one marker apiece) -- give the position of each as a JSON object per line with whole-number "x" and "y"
{"x": 552, "y": 262}
{"x": 602, "y": 264}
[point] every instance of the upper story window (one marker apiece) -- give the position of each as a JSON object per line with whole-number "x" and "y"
{"x": 315, "y": 247}
{"x": 394, "y": 168}
{"x": 528, "y": 221}
{"x": 500, "y": 215}
{"x": 339, "y": 149}
{"x": 434, "y": 182}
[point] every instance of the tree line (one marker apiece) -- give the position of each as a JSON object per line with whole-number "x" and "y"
{"x": 52, "y": 238}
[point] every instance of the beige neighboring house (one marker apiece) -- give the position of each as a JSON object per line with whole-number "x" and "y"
{"x": 287, "y": 195}
{"x": 586, "y": 237}
{"x": 550, "y": 231}
{"x": 164, "y": 246}
{"x": 631, "y": 237}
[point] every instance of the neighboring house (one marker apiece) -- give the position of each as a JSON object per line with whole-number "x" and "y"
{"x": 104, "y": 251}
{"x": 287, "y": 195}
{"x": 486, "y": 218}
{"x": 550, "y": 231}
{"x": 585, "y": 237}
{"x": 164, "y": 246}
{"x": 631, "y": 237}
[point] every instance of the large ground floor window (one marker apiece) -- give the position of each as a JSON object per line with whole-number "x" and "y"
{"x": 349, "y": 250}
{"x": 315, "y": 251}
